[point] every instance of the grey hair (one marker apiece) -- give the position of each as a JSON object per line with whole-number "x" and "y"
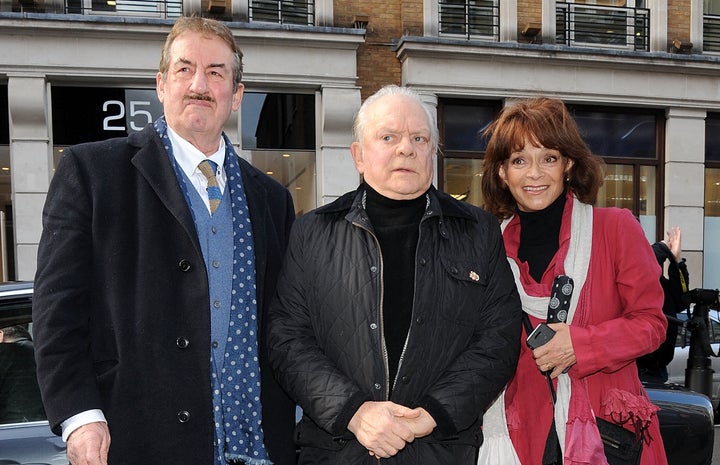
{"x": 358, "y": 128}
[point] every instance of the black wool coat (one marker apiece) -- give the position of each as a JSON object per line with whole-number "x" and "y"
{"x": 120, "y": 307}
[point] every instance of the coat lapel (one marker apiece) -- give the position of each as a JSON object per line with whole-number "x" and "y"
{"x": 154, "y": 165}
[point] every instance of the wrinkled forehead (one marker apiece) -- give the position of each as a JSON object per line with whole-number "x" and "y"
{"x": 397, "y": 112}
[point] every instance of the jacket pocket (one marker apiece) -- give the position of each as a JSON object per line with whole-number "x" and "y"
{"x": 464, "y": 287}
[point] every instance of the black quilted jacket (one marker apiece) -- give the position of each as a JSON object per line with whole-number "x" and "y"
{"x": 326, "y": 331}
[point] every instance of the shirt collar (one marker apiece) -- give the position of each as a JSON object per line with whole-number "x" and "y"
{"x": 188, "y": 156}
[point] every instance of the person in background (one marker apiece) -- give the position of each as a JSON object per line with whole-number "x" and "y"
{"x": 19, "y": 393}
{"x": 541, "y": 180}
{"x": 396, "y": 320}
{"x": 653, "y": 366}
{"x": 158, "y": 256}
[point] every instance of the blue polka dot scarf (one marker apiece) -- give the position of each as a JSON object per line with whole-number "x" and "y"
{"x": 236, "y": 388}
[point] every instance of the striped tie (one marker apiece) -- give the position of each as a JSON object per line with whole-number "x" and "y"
{"x": 209, "y": 168}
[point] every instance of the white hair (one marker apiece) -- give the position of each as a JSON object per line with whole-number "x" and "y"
{"x": 358, "y": 128}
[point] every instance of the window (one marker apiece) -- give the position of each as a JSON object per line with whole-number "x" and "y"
{"x": 461, "y": 125}
{"x": 143, "y": 8}
{"x": 85, "y": 114}
{"x": 629, "y": 142}
{"x": 283, "y": 11}
{"x": 711, "y": 248}
{"x": 278, "y": 137}
{"x": 278, "y": 130}
{"x": 604, "y": 23}
{"x": 711, "y": 25}
{"x": 683, "y": 336}
{"x": 19, "y": 392}
{"x": 469, "y": 18}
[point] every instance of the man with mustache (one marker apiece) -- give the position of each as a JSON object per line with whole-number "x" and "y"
{"x": 159, "y": 254}
{"x": 397, "y": 317}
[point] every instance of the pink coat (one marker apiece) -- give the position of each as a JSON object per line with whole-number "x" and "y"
{"x": 624, "y": 320}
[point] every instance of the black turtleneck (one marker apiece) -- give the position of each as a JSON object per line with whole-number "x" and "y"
{"x": 540, "y": 236}
{"x": 397, "y": 227}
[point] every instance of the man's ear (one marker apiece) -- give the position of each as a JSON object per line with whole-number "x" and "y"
{"x": 357, "y": 155}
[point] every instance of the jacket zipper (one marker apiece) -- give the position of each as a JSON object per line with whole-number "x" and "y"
{"x": 383, "y": 347}
{"x": 412, "y": 313}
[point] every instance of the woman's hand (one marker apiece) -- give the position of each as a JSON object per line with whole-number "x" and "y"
{"x": 558, "y": 353}
{"x": 674, "y": 237}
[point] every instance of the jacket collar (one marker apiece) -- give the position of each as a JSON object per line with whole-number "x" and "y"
{"x": 439, "y": 204}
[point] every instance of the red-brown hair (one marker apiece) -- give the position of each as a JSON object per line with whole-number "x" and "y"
{"x": 543, "y": 122}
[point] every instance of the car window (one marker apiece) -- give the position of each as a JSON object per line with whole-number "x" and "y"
{"x": 714, "y": 327}
{"x": 19, "y": 392}
{"x": 683, "y": 336}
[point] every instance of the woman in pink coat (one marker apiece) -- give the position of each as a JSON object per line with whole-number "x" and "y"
{"x": 541, "y": 180}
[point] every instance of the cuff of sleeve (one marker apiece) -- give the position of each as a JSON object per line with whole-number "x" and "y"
{"x": 81, "y": 419}
{"x": 352, "y": 406}
{"x": 445, "y": 425}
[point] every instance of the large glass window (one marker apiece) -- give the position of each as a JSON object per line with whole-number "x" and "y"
{"x": 461, "y": 124}
{"x": 86, "y": 114}
{"x": 711, "y": 247}
{"x": 278, "y": 130}
{"x": 630, "y": 143}
{"x": 278, "y": 137}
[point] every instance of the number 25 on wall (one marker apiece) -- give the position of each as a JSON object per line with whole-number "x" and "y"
{"x": 135, "y": 113}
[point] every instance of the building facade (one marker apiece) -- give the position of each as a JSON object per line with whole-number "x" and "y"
{"x": 642, "y": 78}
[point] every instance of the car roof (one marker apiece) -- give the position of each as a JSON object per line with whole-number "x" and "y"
{"x": 15, "y": 303}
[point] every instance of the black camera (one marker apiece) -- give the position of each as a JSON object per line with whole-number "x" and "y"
{"x": 708, "y": 297}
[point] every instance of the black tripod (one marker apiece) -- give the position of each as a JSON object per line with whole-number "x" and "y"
{"x": 698, "y": 374}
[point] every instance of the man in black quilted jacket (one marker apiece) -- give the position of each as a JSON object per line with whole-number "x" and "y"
{"x": 397, "y": 320}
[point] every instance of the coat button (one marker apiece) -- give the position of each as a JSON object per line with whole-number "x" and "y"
{"x": 184, "y": 265}
{"x": 373, "y": 325}
{"x": 373, "y": 269}
{"x": 454, "y": 270}
{"x": 182, "y": 342}
{"x": 378, "y": 386}
{"x": 423, "y": 262}
{"x": 420, "y": 320}
{"x": 183, "y": 416}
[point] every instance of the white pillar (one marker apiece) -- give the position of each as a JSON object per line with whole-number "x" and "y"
{"x": 684, "y": 190}
{"x": 336, "y": 173}
{"x": 31, "y": 165}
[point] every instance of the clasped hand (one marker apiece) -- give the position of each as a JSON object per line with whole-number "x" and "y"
{"x": 384, "y": 428}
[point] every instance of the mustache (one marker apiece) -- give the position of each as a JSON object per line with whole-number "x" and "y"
{"x": 204, "y": 98}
